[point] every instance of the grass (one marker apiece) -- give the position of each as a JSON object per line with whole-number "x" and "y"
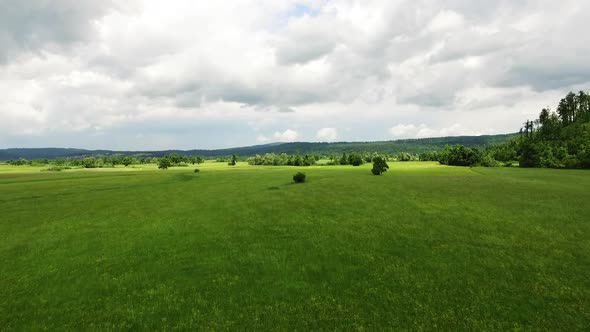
{"x": 422, "y": 247}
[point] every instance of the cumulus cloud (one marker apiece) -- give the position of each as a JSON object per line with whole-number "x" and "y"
{"x": 446, "y": 19}
{"x": 286, "y": 136}
{"x": 423, "y": 131}
{"x": 195, "y": 74}
{"x": 327, "y": 134}
{"x": 262, "y": 139}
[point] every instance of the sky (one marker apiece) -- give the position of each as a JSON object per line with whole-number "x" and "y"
{"x": 185, "y": 74}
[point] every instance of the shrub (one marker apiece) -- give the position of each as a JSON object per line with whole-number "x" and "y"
{"x": 428, "y": 156}
{"x": 89, "y": 162}
{"x": 57, "y": 168}
{"x": 488, "y": 161}
{"x": 355, "y": 159}
{"x": 459, "y": 155}
{"x": 404, "y": 156}
{"x": 197, "y": 170}
{"x": 299, "y": 177}
{"x": 379, "y": 166}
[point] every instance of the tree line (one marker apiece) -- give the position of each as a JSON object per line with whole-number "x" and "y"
{"x": 556, "y": 139}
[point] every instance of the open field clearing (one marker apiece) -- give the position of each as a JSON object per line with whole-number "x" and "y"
{"x": 422, "y": 247}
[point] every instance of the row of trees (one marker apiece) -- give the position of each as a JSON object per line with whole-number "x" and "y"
{"x": 459, "y": 155}
{"x": 283, "y": 159}
{"x": 111, "y": 161}
{"x": 559, "y": 139}
{"x": 353, "y": 158}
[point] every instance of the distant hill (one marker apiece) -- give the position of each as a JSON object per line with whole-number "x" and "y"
{"x": 392, "y": 147}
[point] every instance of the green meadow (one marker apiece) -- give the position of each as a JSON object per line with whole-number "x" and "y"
{"x": 422, "y": 247}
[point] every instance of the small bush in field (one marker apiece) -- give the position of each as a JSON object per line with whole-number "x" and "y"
{"x": 299, "y": 177}
{"x": 197, "y": 170}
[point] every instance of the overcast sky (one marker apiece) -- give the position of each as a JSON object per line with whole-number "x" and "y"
{"x": 210, "y": 74}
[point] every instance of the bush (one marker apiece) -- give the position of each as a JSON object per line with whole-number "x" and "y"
{"x": 459, "y": 155}
{"x": 197, "y": 170}
{"x": 299, "y": 177}
{"x": 90, "y": 162}
{"x": 355, "y": 159}
{"x": 404, "y": 156}
{"x": 488, "y": 161}
{"x": 379, "y": 166}
{"x": 57, "y": 168}
{"x": 428, "y": 156}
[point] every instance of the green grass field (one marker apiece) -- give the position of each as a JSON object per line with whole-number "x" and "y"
{"x": 423, "y": 247}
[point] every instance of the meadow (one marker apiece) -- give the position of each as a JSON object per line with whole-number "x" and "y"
{"x": 422, "y": 247}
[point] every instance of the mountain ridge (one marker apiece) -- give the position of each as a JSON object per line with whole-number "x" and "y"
{"x": 414, "y": 145}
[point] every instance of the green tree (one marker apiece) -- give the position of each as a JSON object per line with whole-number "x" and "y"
{"x": 126, "y": 161}
{"x": 233, "y": 160}
{"x": 404, "y": 156}
{"x": 89, "y": 162}
{"x": 355, "y": 159}
{"x": 379, "y": 166}
{"x": 164, "y": 163}
{"x": 344, "y": 159}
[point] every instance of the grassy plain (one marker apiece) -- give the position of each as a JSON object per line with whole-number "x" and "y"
{"x": 422, "y": 247}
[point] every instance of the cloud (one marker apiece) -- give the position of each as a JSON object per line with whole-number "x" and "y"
{"x": 36, "y": 25}
{"x": 261, "y": 139}
{"x": 446, "y": 19}
{"x": 423, "y": 131}
{"x": 286, "y": 136}
{"x": 327, "y": 134}
{"x": 210, "y": 74}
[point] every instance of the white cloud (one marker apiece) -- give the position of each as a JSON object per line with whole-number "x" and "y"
{"x": 197, "y": 74}
{"x": 327, "y": 134}
{"x": 402, "y": 130}
{"x": 423, "y": 131}
{"x": 445, "y": 19}
{"x": 286, "y": 136}
{"x": 261, "y": 139}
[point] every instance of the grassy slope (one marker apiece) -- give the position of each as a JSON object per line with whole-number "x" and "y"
{"x": 424, "y": 246}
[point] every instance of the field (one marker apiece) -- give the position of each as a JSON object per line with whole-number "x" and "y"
{"x": 422, "y": 247}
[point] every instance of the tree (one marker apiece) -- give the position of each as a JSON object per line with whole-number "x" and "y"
{"x": 379, "y": 166}
{"x": 428, "y": 156}
{"x": 89, "y": 162}
{"x": 355, "y": 159}
{"x": 344, "y": 159}
{"x": 404, "y": 156}
{"x": 164, "y": 163}
{"x": 460, "y": 155}
{"x": 233, "y": 160}
{"x": 127, "y": 161}
{"x": 297, "y": 161}
{"x": 175, "y": 158}
{"x": 529, "y": 154}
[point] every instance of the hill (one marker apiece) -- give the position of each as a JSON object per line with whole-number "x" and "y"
{"x": 405, "y": 145}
